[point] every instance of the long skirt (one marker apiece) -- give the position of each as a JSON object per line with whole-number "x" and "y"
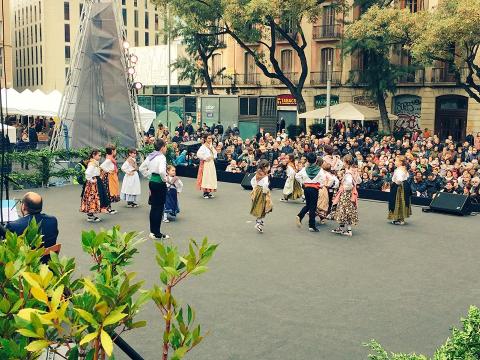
{"x": 207, "y": 176}
{"x": 261, "y": 203}
{"x": 111, "y": 185}
{"x": 292, "y": 189}
{"x": 322, "y": 203}
{"x": 171, "y": 202}
{"x": 399, "y": 207}
{"x": 346, "y": 211}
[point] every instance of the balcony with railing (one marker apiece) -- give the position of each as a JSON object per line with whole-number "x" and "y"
{"x": 441, "y": 75}
{"x": 355, "y": 78}
{"x": 222, "y": 80}
{"x": 252, "y": 79}
{"x": 321, "y": 77}
{"x": 327, "y": 32}
{"x": 292, "y": 76}
{"x": 416, "y": 77}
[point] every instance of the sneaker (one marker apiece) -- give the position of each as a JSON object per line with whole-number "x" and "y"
{"x": 211, "y": 196}
{"x": 259, "y": 227}
{"x": 159, "y": 237}
{"x": 134, "y": 205}
{"x": 206, "y": 197}
{"x": 401, "y": 222}
{"x": 347, "y": 233}
{"x": 129, "y": 205}
{"x": 165, "y": 237}
{"x": 93, "y": 219}
{"x": 283, "y": 200}
{"x": 337, "y": 231}
{"x": 298, "y": 221}
{"x": 313, "y": 229}
{"x": 166, "y": 220}
{"x": 112, "y": 212}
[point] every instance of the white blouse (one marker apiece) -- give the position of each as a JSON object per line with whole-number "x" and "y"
{"x": 174, "y": 182}
{"x": 128, "y": 168}
{"x": 108, "y": 166}
{"x": 290, "y": 172}
{"x": 206, "y": 154}
{"x": 263, "y": 183}
{"x": 399, "y": 175}
{"x": 93, "y": 170}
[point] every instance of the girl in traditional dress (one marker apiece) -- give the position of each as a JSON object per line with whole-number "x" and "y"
{"x": 94, "y": 197}
{"x": 131, "y": 188}
{"x": 322, "y": 203}
{"x": 399, "y": 201}
{"x": 174, "y": 187}
{"x": 207, "y": 173}
{"x": 110, "y": 176}
{"x": 261, "y": 198}
{"x": 346, "y": 199}
{"x": 292, "y": 189}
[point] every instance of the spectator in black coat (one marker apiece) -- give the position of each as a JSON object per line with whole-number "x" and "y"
{"x": 32, "y": 209}
{"x": 376, "y": 183}
{"x": 433, "y": 184}
{"x": 32, "y": 136}
{"x": 418, "y": 186}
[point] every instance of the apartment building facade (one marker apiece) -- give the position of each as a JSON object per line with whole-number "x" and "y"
{"x": 6, "y": 66}
{"x": 45, "y": 31}
{"x": 426, "y": 98}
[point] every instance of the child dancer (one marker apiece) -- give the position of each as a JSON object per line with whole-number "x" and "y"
{"x": 312, "y": 179}
{"x": 292, "y": 189}
{"x": 261, "y": 198}
{"x": 110, "y": 176}
{"x": 399, "y": 207}
{"x": 346, "y": 199}
{"x": 94, "y": 197}
{"x": 131, "y": 188}
{"x": 174, "y": 187}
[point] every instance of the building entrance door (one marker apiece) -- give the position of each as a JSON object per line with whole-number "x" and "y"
{"x": 451, "y": 116}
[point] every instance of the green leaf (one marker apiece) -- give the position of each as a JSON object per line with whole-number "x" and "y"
{"x": 170, "y": 271}
{"x": 37, "y": 345}
{"x": 73, "y": 354}
{"x": 89, "y": 337}
{"x": 199, "y": 269}
{"x": 9, "y": 270}
{"x": 138, "y": 324}
{"x": 28, "y": 333}
{"x": 180, "y": 352}
{"x": 107, "y": 342}
{"x": 113, "y": 318}
{"x": 86, "y": 316}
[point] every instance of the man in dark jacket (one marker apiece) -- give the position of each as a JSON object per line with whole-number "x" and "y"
{"x": 32, "y": 209}
{"x": 376, "y": 183}
{"x": 433, "y": 184}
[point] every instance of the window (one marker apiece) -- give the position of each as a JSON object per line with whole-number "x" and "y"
{"x": 66, "y": 10}
{"x": 268, "y": 106}
{"x": 147, "y": 39}
{"x": 249, "y": 64}
{"x": 67, "y": 32}
{"x": 412, "y": 5}
{"x": 328, "y": 16}
{"x": 146, "y": 4}
{"x": 41, "y": 76}
{"x": 146, "y": 20}
{"x": 248, "y": 106}
{"x": 135, "y": 18}
{"x": 1, "y": 62}
{"x": 36, "y": 76}
{"x": 124, "y": 2}
{"x": 156, "y": 22}
{"x": 124, "y": 15}
{"x": 326, "y": 55}
{"x": 216, "y": 63}
{"x": 36, "y": 33}
{"x": 286, "y": 61}
{"x": 67, "y": 53}
{"x": 135, "y": 3}
{"x": 157, "y": 39}
{"x": 80, "y": 9}
{"x": 136, "y": 38}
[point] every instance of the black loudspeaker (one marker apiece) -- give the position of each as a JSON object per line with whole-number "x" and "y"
{"x": 246, "y": 181}
{"x": 451, "y": 203}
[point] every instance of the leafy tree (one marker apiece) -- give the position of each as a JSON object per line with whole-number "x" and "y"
{"x": 257, "y": 26}
{"x": 200, "y": 47}
{"x": 451, "y": 34}
{"x": 373, "y": 38}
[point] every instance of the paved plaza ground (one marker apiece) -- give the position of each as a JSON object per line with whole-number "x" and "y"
{"x": 290, "y": 294}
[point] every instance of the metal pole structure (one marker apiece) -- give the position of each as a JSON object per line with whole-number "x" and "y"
{"x": 169, "y": 64}
{"x": 329, "y": 88}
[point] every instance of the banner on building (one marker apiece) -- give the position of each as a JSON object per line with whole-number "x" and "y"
{"x": 320, "y": 101}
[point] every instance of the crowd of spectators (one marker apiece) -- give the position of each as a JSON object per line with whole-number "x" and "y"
{"x": 434, "y": 165}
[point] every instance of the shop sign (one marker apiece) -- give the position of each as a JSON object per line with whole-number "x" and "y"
{"x": 286, "y": 100}
{"x": 320, "y": 101}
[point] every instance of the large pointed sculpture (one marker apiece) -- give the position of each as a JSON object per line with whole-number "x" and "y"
{"x": 98, "y": 105}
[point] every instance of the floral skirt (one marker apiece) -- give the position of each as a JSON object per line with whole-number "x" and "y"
{"x": 261, "y": 203}
{"x": 90, "y": 198}
{"x": 346, "y": 211}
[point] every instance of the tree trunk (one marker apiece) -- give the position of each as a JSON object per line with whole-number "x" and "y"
{"x": 382, "y": 106}
{"x": 301, "y": 108}
{"x": 206, "y": 74}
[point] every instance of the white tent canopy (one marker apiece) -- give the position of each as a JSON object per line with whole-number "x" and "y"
{"x": 346, "y": 112}
{"x": 37, "y": 103}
